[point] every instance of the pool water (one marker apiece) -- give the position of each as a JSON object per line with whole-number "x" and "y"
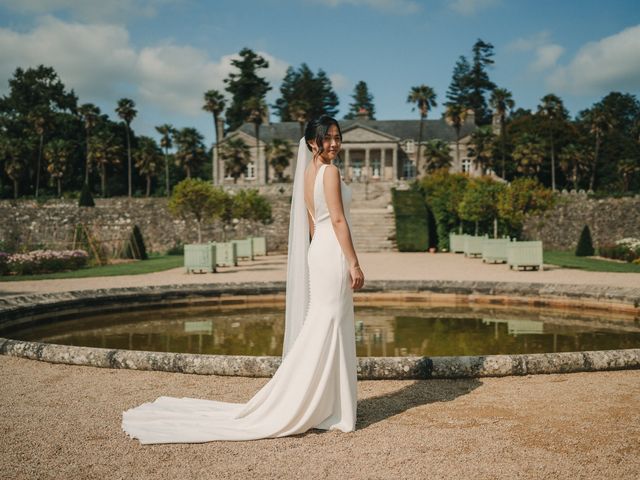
{"x": 380, "y": 331}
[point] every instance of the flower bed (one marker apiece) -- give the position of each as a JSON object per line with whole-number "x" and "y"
{"x": 42, "y": 261}
{"x": 627, "y": 249}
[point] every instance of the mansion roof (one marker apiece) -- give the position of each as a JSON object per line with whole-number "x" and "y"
{"x": 393, "y": 130}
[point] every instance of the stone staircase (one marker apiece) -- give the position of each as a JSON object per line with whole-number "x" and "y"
{"x": 374, "y": 229}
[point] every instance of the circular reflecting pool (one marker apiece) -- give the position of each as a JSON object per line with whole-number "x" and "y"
{"x": 380, "y": 331}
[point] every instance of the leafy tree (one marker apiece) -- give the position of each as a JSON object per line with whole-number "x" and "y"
{"x": 437, "y": 155}
{"x": 521, "y": 197}
{"x": 147, "y": 159}
{"x": 362, "y": 101}
{"x": 245, "y": 85}
{"x": 425, "y": 98}
{"x": 305, "y": 95}
{"x": 190, "y": 153}
{"x": 236, "y": 156}
{"x": 599, "y": 122}
{"x": 279, "y": 156}
{"x": 214, "y": 103}
{"x": 40, "y": 118}
{"x": 574, "y": 161}
{"x": 127, "y": 112}
{"x": 56, "y": 153}
{"x": 250, "y": 205}
{"x": 501, "y": 101}
{"x": 197, "y": 199}
{"x": 12, "y": 151}
{"x": 480, "y": 202}
{"x": 628, "y": 168}
{"x": 443, "y": 192}
{"x": 167, "y": 132}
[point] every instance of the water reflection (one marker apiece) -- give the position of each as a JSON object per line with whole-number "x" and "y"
{"x": 379, "y": 331}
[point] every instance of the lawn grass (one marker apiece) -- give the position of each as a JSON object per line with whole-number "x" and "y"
{"x": 153, "y": 264}
{"x": 569, "y": 260}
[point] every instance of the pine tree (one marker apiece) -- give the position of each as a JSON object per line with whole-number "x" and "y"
{"x": 362, "y": 100}
{"x": 585, "y": 244}
{"x": 86, "y": 199}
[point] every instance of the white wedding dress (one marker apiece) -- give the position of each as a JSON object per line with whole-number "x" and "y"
{"x": 315, "y": 385}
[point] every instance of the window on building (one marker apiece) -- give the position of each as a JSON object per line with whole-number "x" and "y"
{"x": 251, "y": 170}
{"x": 409, "y": 169}
{"x": 466, "y": 165}
{"x": 375, "y": 167}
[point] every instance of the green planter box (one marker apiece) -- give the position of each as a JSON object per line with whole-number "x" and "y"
{"x": 226, "y": 254}
{"x": 494, "y": 250}
{"x": 259, "y": 246}
{"x": 473, "y": 245}
{"x": 244, "y": 248}
{"x": 201, "y": 257}
{"x": 456, "y": 242}
{"x": 525, "y": 254}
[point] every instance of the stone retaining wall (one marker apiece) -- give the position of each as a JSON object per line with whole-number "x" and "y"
{"x": 609, "y": 219}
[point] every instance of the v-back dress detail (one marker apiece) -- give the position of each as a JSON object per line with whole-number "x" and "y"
{"x": 315, "y": 385}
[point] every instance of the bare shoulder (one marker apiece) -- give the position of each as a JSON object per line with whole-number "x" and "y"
{"x": 332, "y": 173}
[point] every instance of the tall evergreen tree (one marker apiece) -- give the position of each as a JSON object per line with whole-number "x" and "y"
{"x": 501, "y": 101}
{"x": 214, "y": 103}
{"x": 305, "y": 95}
{"x": 127, "y": 112}
{"x": 479, "y": 82}
{"x": 245, "y": 85}
{"x": 167, "y": 131}
{"x": 552, "y": 109}
{"x": 459, "y": 92}
{"x": 425, "y": 99}
{"x": 362, "y": 100}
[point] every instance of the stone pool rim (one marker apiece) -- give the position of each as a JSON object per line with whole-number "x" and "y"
{"x": 21, "y": 309}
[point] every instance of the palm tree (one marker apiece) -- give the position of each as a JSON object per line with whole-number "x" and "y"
{"x": 278, "y": 153}
{"x": 39, "y": 118}
{"x": 190, "y": 150}
{"x": 455, "y": 115}
{"x": 167, "y": 131}
{"x": 89, "y": 114}
{"x": 127, "y": 113}
{"x": 501, "y": 100}
{"x": 56, "y": 153}
{"x": 529, "y": 154}
{"x": 104, "y": 151}
{"x": 481, "y": 147}
{"x": 599, "y": 122}
{"x": 257, "y": 109}
{"x": 437, "y": 154}
{"x": 627, "y": 167}
{"x": 574, "y": 160}
{"x": 236, "y": 155}
{"x": 147, "y": 159}
{"x": 12, "y": 151}
{"x": 425, "y": 98}
{"x": 214, "y": 103}
{"x": 552, "y": 108}
{"x": 299, "y": 111}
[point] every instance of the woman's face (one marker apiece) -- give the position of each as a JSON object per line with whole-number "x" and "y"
{"x": 331, "y": 144}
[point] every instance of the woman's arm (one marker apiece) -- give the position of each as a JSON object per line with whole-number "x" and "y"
{"x": 333, "y": 196}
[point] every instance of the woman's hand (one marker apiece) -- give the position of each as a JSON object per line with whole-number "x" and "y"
{"x": 357, "y": 277}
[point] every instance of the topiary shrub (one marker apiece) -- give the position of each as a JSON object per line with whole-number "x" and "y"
{"x": 135, "y": 248}
{"x": 86, "y": 199}
{"x": 585, "y": 244}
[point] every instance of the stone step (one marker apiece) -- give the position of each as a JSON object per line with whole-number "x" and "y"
{"x": 372, "y": 228}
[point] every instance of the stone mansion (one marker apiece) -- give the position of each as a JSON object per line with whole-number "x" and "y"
{"x": 382, "y": 151}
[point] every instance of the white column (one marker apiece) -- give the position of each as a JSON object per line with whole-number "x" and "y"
{"x": 394, "y": 177}
{"x": 347, "y": 164}
{"x": 367, "y": 166}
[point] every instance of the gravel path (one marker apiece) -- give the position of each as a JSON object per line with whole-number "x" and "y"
{"x": 63, "y": 422}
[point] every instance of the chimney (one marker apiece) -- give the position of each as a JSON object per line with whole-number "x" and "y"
{"x": 363, "y": 114}
{"x": 471, "y": 117}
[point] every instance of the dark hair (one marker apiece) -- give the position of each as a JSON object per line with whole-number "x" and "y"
{"x": 318, "y": 128}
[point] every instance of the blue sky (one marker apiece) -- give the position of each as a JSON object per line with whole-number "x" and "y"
{"x": 165, "y": 53}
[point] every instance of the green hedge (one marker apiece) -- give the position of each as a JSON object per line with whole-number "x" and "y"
{"x": 412, "y": 221}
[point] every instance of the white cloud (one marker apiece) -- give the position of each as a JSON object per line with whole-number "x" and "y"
{"x": 339, "y": 81}
{"x": 100, "y": 64}
{"x": 612, "y": 63}
{"x": 469, "y": 7}
{"x": 89, "y": 10}
{"x": 546, "y": 52}
{"x": 401, "y": 7}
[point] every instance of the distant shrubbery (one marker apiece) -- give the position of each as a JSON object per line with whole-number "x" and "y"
{"x": 627, "y": 249}
{"x": 42, "y": 261}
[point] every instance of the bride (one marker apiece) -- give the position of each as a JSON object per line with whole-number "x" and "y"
{"x": 315, "y": 385}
